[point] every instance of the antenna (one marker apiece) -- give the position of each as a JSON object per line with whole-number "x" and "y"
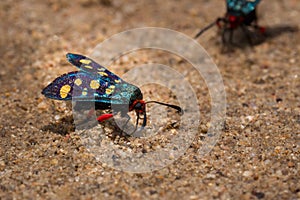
{"x": 204, "y": 29}
{"x": 217, "y": 22}
{"x": 168, "y": 105}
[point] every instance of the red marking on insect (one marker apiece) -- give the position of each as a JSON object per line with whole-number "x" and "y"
{"x": 139, "y": 106}
{"x": 104, "y": 117}
{"x": 262, "y": 30}
{"x": 232, "y": 18}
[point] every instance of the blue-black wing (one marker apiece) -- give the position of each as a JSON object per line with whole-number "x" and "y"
{"x": 88, "y": 65}
{"x": 81, "y": 86}
{"x": 241, "y": 6}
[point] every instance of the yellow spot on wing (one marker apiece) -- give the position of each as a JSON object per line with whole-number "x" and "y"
{"x": 85, "y": 61}
{"x": 101, "y": 69}
{"x": 94, "y": 84}
{"x": 102, "y": 73}
{"x": 84, "y": 92}
{"x": 117, "y": 81}
{"x": 64, "y": 91}
{"x": 78, "y": 81}
{"x": 88, "y": 67}
{"x": 110, "y": 89}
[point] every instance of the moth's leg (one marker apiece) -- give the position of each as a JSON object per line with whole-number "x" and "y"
{"x": 245, "y": 30}
{"x": 231, "y": 36}
{"x": 224, "y": 32}
{"x": 137, "y": 121}
{"x": 230, "y": 39}
{"x": 223, "y": 48}
{"x": 144, "y": 121}
{"x": 223, "y": 36}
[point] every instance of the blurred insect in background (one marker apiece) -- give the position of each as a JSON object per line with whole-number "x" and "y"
{"x": 240, "y": 13}
{"x": 94, "y": 83}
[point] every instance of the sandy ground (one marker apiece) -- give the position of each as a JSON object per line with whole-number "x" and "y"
{"x": 41, "y": 157}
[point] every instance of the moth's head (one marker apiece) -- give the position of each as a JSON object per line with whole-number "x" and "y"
{"x": 139, "y": 106}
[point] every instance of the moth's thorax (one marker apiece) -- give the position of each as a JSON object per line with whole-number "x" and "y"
{"x": 128, "y": 93}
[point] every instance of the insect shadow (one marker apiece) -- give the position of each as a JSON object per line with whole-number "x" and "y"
{"x": 82, "y": 119}
{"x": 66, "y": 125}
{"x": 63, "y": 126}
{"x": 269, "y": 34}
{"x": 275, "y": 31}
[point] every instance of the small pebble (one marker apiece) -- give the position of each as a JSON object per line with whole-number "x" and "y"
{"x": 247, "y": 173}
{"x": 42, "y": 106}
{"x": 291, "y": 164}
{"x": 54, "y": 161}
{"x": 56, "y": 117}
{"x": 2, "y": 165}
